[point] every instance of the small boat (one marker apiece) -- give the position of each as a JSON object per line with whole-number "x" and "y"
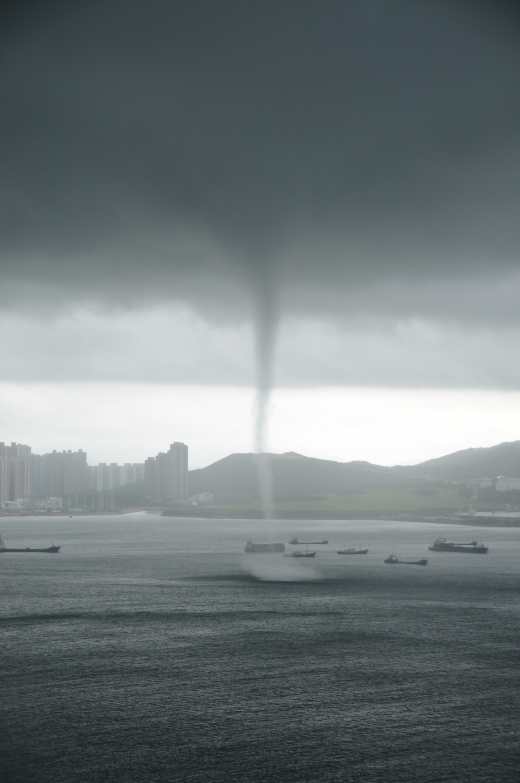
{"x": 298, "y": 553}
{"x": 50, "y": 550}
{"x": 297, "y": 541}
{"x": 263, "y": 549}
{"x": 394, "y": 560}
{"x": 353, "y": 550}
{"x": 443, "y": 545}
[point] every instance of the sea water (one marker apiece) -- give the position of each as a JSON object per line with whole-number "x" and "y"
{"x": 152, "y": 649}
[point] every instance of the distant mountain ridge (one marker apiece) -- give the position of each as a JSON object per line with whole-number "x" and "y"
{"x": 500, "y": 460}
{"x": 233, "y": 479}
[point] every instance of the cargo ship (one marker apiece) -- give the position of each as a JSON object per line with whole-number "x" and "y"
{"x": 352, "y": 550}
{"x": 297, "y": 541}
{"x": 50, "y": 550}
{"x": 442, "y": 545}
{"x": 262, "y": 549}
{"x": 394, "y": 560}
{"x": 298, "y": 553}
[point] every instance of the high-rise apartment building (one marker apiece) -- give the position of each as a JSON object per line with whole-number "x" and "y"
{"x": 177, "y": 472}
{"x": 106, "y": 481}
{"x": 152, "y": 486}
{"x": 61, "y": 474}
{"x": 4, "y": 477}
{"x": 107, "y": 477}
{"x": 166, "y": 475}
{"x": 15, "y": 472}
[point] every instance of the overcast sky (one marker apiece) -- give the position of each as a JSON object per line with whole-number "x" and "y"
{"x": 183, "y": 182}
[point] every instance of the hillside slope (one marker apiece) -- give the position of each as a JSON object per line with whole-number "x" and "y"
{"x": 234, "y": 478}
{"x": 500, "y": 460}
{"x": 295, "y": 477}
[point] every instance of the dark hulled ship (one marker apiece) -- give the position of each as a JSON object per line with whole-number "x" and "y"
{"x": 443, "y": 545}
{"x": 50, "y": 550}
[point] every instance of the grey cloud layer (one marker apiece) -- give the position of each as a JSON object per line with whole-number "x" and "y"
{"x": 179, "y": 347}
{"x": 354, "y": 165}
{"x": 189, "y": 151}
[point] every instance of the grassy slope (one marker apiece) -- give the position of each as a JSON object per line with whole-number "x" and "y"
{"x": 444, "y": 498}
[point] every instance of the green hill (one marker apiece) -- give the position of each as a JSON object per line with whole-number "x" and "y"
{"x": 308, "y": 483}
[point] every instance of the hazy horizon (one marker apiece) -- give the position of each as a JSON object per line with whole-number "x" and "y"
{"x": 387, "y": 427}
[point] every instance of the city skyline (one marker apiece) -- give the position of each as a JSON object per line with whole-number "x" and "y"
{"x": 63, "y": 479}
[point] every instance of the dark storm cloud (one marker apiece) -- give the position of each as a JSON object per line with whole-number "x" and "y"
{"x": 190, "y": 150}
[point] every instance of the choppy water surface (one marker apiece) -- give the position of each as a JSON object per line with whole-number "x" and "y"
{"x": 152, "y": 649}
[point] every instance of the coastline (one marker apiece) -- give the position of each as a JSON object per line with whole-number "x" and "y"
{"x": 448, "y": 519}
{"x": 196, "y": 512}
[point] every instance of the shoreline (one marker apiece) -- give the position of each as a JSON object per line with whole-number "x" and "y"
{"x": 481, "y": 520}
{"x": 451, "y": 519}
{"x": 61, "y": 514}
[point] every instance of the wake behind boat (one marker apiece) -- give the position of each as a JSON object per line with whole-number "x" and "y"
{"x": 50, "y": 550}
{"x": 394, "y": 560}
{"x": 262, "y": 549}
{"x": 443, "y": 545}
